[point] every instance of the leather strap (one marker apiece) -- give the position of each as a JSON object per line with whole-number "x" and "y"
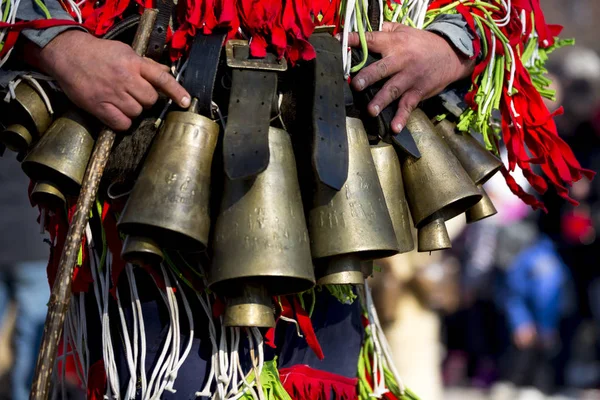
{"x": 246, "y": 140}
{"x": 330, "y": 138}
{"x": 381, "y": 124}
{"x": 158, "y": 36}
{"x": 202, "y": 68}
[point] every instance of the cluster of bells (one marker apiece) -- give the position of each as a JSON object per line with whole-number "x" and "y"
{"x": 265, "y": 240}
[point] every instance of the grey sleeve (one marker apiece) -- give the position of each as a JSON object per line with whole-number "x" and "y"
{"x": 454, "y": 28}
{"x": 29, "y": 11}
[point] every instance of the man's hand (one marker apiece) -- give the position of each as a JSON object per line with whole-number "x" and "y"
{"x": 420, "y": 65}
{"x": 106, "y": 78}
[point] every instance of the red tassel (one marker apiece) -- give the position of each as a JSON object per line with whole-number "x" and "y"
{"x": 305, "y": 383}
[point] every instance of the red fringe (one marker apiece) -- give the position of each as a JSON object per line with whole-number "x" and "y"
{"x": 305, "y": 383}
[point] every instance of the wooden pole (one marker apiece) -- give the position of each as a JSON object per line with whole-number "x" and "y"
{"x": 61, "y": 291}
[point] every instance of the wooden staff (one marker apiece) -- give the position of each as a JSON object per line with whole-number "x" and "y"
{"x": 61, "y": 291}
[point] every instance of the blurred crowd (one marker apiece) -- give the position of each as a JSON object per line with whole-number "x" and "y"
{"x": 513, "y": 310}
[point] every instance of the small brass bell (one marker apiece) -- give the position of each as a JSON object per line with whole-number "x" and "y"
{"x": 141, "y": 251}
{"x": 46, "y": 194}
{"x": 479, "y": 163}
{"x": 390, "y": 177}
{"x": 62, "y": 154}
{"x": 170, "y": 199}
{"x": 437, "y": 186}
{"x": 29, "y": 118}
{"x": 433, "y": 236}
{"x": 485, "y": 208}
{"x": 351, "y": 225}
{"x": 16, "y": 138}
{"x": 260, "y": 243}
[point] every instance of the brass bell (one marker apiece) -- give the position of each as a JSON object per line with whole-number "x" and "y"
{"x": 141, "y": 251}
{"x": 437, "y": 186}
{"x": 170, "y": 199}
{"x": 351, "y": 225}
{"x": 485, "y": 208}
{"x": 29, "y": 118}
{"x": 479, "y": 163}
{"x": 46, "y": 194}
{"x": 390, "y": 177}
{"x": 16, "y": 138}
{"x": 260, "y": 244}
{"x": 62, "y": 154}
{"x": 433, "y": 236}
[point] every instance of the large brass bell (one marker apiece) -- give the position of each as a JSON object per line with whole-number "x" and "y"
{"x": 437, "y": 186}
{"x": 169, "y": 203}
{"x": 260, "y": 243}
{"x": 29, "y": 118}
{"x": 352, "y": 225}
{"x": 479, "y": 163}
{"x": 61, "y": 156}
{"x": 387, "y": 165}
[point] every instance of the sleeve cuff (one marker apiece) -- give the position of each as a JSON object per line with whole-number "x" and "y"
{"x": 41, "y": 37}
{"x": 454, "y": 28}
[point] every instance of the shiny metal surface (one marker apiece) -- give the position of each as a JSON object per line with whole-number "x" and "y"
{"x": 436, "y": 183}
{"x": 345, "y": 269}
{"x": 484, "y": 209}
{"x": 46, "y": 194}
{"x": 390, "y": 177}
{"x": 260, "y": 233}
{"x": 170, "y": 199}
{"x": 141, "y": 251}
{"x": 354, "y": 219}
{"x": 16, "y": 138}
{"x": 479, "y": 163}
{"x": 252, "y": 306}
{"x": 433, "y": 236}
{"x": 28, "y": 104}
{"x": 62, "y": 154}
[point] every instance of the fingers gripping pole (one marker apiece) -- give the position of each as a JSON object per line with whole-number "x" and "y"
{"x": 61, "y": 291}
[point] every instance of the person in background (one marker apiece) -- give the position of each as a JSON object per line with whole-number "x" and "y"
{"x": 534, "y": 290}
{"x": 23, "y": 260}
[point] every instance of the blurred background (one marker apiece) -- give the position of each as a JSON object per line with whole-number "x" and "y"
{"x": 511, "y": 312}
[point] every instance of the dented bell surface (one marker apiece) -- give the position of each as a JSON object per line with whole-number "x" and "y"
{"x": 479, "y": 163}
{"x": 260, "y": 243}
{"x": 351, "y": 225}
{"x": 62, "y": 154}
{"x": 387, "y": 165}
{"x": 28, "y": 118}
{"x": 437, "y": 186}
{"x": 141, "y": 251}
{"x": 170, "y": 199}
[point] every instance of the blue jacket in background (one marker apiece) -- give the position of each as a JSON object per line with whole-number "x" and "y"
{"x": 535, "y": 287}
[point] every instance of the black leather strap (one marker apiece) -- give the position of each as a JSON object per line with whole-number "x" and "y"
{"x": 330, "y": 140}
{"x": 246, "y": 140}
{"x": 158, "y": 37}
{"x": 381, "y": 125}
{"x": 202, "y": 68}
